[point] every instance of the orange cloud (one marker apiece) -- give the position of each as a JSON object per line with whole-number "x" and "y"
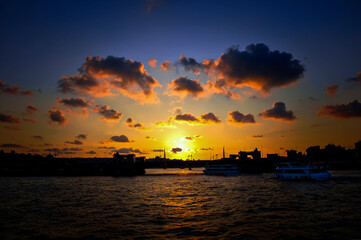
{"x": 109, "y": 76}
{"x": 332, "y": 90}
{"x": 30, "y": 109}
{"x": 257, "y": 67}
{"x": 75, "y": 103}
{"x": 131, "y": 124}
{"x": 166, "y": 65}
{"x": 168, "y": 124}
{"x": 13, "y": 90}
{"x": 152, "y": 63}
{"x": 190, "y": 119}
{"x": 341, "y": 111}
{"x": 256, "y": 136}
{"x": 9, "y": 118}
{"x": 107, "y": 113}
{"x": 183, "y": 87}
{"x": 121, "y": 139}
{"x": 238, "y": 118}
{"x": 193, "y": 138}
{"x": 56, "y": 115}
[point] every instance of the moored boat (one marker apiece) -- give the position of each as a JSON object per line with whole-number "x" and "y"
{"x": 299, "y": 171}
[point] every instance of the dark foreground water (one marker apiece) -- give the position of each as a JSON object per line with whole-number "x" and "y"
{"x": 180, "y": 206}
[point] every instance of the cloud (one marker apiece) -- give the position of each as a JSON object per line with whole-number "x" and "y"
{"x": 176, "y": 150}
{"x": 75, "y": 142}
{"x": 190, "y": 64}
{"x": 30, "y": 109}
{"x": 158, "y": 150}
{"x": 128, "y": 150}
{"x": 131, "y": 124}
{"x": 91, "y": 152}
{"x": 315, "y": 125}
{"x": 278, "y": 112}
{"x": 64, "y": 151}
{"x": 342, "y": 111}
{"x": 332, "y": 90}
{"x": 256, "y": 136}
{"x": 107, "y": 113}
{"x": 9, "y": 118}
{"x": 13, "y": 90}
{"x": 186, "y": 117}
{"x": 72, "y": 149}
{"x": 206, "y": 149}
{"x": 82, "y": 136}
{"x": 78, "y": 102}
{"x": 82, "y": 84}
{"x": 183, "y": 87}
{"x": 13, "y": 127}
{"x": 221, "y": 87}
{"x": 193, "y": 138}
{"x": 168, "y": 124}
{"x": 29, "y": 120}
{"x": 258, "y": 67}
{"x": 152, "y": 63}
{"x": 355, "y": 79}
{"x": 150, "y": 138}
{"x": 166, "y": 65}
{"x": 121, "y": 138}
{"x": 209, "y": 118}
{"x": 107, "y": 76}
{"x": 52, "y": 150}
{"x": 238, "y": 118}
{"x": 176, "y": 110}
{"x": 106, "y": 147}
{"x": 11, "y": 145}
{"x": 56, "y": 115}
{"x": 38, "y": 137}
{"x": 34, "y": 150}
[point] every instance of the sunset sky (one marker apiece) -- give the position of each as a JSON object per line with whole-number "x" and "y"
{"x": 87, "y": 78}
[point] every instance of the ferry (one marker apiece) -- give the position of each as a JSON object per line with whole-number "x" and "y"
{"x": 222, "y": 170}
{"x": 299, "y": 171}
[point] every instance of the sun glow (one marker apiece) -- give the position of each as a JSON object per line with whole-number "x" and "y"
{"x": 179, "y": 141}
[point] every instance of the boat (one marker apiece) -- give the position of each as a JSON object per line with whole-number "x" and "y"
{"x": 222, "y": 170}
{"x": 302, "y": 171}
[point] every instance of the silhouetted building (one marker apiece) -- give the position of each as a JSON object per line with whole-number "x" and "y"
{"x": 358, "y": 150}
{"x": 313, "y": 152}
{"x": 256, "y": 155}
{"x": 273, "y": 157}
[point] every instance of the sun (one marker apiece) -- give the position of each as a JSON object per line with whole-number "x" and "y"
{"x": 179, "y": 141}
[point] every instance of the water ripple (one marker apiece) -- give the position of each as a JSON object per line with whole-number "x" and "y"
{"x": 180, "y": 206}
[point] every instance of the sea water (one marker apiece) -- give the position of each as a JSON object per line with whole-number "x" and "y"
{"x": 180, "y": 204}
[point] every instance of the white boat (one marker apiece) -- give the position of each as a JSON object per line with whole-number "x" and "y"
{"x": 302, "y": 171}
{"x": 222, "y": 170}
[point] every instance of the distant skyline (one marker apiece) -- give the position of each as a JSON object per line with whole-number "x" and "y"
{"x": 86, "y": 79}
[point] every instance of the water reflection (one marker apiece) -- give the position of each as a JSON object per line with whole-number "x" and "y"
{"x": 174, "y": 171}
{"x": 180, "y": 206}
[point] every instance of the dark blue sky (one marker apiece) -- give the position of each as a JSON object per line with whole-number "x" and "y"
{"x": 291, "y": 88}
{"x": 43, "y": 40}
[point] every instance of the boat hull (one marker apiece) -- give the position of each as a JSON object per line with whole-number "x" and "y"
{"x": 294, "y": 171}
